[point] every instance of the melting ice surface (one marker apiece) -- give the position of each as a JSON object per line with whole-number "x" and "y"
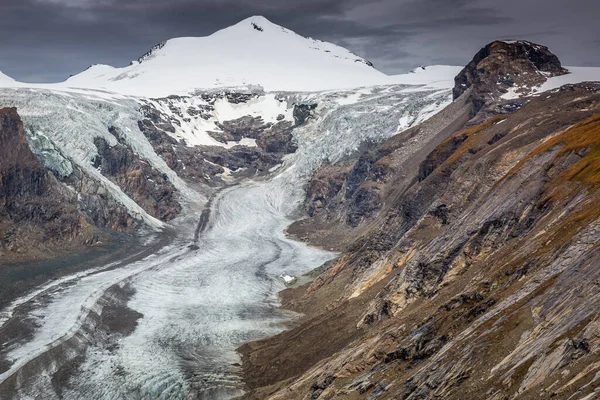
{"x": 198, "y": 305}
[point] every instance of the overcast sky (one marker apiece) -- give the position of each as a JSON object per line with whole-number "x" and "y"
{"x": 47, "y": 40}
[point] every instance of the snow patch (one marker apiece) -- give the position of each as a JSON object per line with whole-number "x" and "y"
{"x": 289, "y": 280}
{"x": 575, "y": 75}
{"x": 434, "y": 76}
{"x": 195, "y": 116}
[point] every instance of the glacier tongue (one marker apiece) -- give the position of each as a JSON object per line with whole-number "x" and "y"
{"x": 195, "y": 304}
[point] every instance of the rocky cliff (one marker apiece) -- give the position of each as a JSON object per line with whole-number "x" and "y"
{"x": 34, "y": 206}
{"x": 502, "y": 67}
{"x": 470, "y": 257}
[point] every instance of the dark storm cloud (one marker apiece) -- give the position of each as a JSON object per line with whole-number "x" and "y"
{"x": 46, "y": 40}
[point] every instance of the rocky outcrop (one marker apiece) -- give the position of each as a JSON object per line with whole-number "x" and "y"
{"x": 144, "y": 184}
{"x": 269, "y": 142}
{"x": 343, "y": 199}
{"x": 187, "y": 162}
{"x": 34, "y": 206}
{"x": 502, "y": 66}
{"x": 244, "y": 127}
{"x": 303, "y": 112}
{"x": 477, "y": 277}
{"x": 272, "y": 138}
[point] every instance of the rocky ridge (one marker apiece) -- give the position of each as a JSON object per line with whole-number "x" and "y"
{"x": 468, "y": 267}
{"x": 35, "y": 205}
{"x": 506, "y": 68}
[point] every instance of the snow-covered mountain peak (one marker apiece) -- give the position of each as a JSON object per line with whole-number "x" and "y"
{"x": 253, "y": 52}
{"x": 255, "y": 24}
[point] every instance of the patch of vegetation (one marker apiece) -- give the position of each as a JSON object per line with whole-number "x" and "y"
{"x": 583, "y": 138}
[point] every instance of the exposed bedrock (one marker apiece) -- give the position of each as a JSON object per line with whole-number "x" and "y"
{"x": 502, "y": 66}
{"x": 270, "y": 141}
{"x": 476, "y": 278}
{"x": 144, "y": 184}
{"x": 34, "y": 206}
{"x": 186, "y": 161}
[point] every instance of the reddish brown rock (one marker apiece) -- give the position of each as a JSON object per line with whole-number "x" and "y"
{"x": 38, "y": 214}
{"x": 478, "y": 279}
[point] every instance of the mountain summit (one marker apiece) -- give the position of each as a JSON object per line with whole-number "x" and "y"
{"x": 507, "y": 69}
{"x": 253, "y": 52}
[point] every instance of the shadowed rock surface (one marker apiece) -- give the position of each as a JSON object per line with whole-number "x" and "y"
{"x": 145, "y": 185}
{"x": 34, "y": 206}
{"x": 206, "y": 164}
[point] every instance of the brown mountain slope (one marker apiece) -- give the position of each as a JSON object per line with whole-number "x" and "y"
{"x": 477, "y": 280}
{"x": 34, "y": 206}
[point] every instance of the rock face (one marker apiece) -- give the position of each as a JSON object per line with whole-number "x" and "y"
{"x": 260, "y": 145}
{"x": 475, "y": 278}
{"x": 272, "y": 138}
{"x": 502, "y": 66}
{"x": 146, "y": 186}
{"x": 187, "y": 162}
{"x": 34, "y": 206}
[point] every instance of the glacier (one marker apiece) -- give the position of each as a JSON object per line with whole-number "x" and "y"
{"x": 194, "y": 289}
{"x": 196, "y": 301}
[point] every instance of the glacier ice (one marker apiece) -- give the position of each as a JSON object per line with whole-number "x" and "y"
{"x": 197, "y": 306}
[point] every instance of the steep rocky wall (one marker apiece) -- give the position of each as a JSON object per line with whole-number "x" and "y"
{"x": 34, "y": 206}
{"x": 503, "y": 66}
{"x": 145, "y": 185}
{"x": 344, "y": 199}
{"x": 477, "y": 280}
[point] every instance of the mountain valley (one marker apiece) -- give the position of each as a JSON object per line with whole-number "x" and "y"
{"x": 291, "y": 223}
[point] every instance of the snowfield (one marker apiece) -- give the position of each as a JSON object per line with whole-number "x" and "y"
{"x": 575, "y": 75}
{"x": 5, "y": 80}
{"x": 253, "y": 52}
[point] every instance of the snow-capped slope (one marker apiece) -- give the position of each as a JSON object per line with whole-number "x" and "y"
{"x": 434, "y": 76}
{"x": 252, "y": 52}
{"x": 575, "y": 75}
{"x": 5, "y": 79}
